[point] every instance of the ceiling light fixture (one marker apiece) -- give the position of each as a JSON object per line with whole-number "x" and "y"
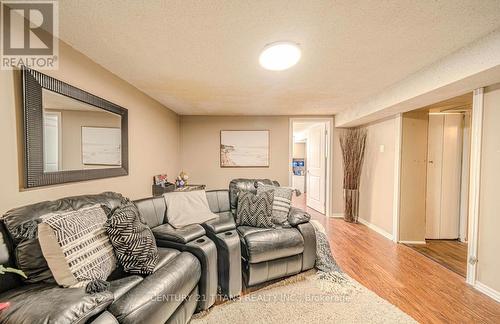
{"x": 279, "y": 56}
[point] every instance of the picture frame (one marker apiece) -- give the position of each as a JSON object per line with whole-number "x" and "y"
{"x": 244, "y": 148}
{"x": 33, "y": 83}
{"x": 101, "y": 145}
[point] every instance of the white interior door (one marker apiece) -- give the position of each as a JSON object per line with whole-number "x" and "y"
{"x": 443, "y": 176}
{"x": 316, "y": 167}
{"x": 434, "y": 168}
{"x": 451, "y": 174}
{"x": 51, "y": 142}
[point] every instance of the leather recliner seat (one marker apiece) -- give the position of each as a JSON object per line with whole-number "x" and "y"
{"x": 222, "y": 231}
{"x": 266, "y": 253}
{"x": 190, "y": 238}
{"x": 220, "y": 262}
{"x": 168, "y": 295}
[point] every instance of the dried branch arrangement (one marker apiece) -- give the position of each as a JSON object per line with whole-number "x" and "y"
{"x": 352, "y": 143}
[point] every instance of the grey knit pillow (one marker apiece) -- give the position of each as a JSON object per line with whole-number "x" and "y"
{"x": 255, "y": 210}
{"x": 281, "y": 204}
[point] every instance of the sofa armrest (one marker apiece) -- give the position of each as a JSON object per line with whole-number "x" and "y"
{"x": 48, "y": 303}
{"x": 167, "y": 232}
{"x": 159, "y": 294}
{"x": 309, "y": 254}
{"x": 223, "y": 223}
{"x": 105, "y": 318}
{"x": 298, "y": 216}
{"x": 192, "y": 238}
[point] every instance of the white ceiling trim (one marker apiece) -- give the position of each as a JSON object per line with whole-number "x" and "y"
{"x": 474, "y": 66}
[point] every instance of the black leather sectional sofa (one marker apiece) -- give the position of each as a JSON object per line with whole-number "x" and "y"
{"x": 168, "y": 295}
{"x": 196, "y": 263}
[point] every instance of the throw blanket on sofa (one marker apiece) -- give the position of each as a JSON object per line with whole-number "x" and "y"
{"x": 187, "y": 207}
{"x": 328, "y": 269}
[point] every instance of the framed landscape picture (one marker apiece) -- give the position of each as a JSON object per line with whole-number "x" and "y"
{"x": 101, "y": 146}
{"x": 244, "y": 148}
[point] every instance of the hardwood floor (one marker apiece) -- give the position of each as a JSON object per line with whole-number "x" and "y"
{"x": 425, "y": 290}
{"x": 451, "y": 254}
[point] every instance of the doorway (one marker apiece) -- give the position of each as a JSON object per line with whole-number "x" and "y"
{"x": 310, "y": 161}
{"x": 435, "y": 155}
{"x": 52, "y": 142}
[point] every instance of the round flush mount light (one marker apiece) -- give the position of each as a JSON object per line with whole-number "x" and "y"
{"x": 279, "y": 56}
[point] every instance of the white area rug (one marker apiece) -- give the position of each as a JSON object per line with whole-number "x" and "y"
{"x": 306, "y": 299}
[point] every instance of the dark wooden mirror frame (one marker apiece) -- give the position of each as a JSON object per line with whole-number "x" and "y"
{"x": 32, "y": 84}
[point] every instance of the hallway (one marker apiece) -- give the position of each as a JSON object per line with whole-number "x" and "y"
{"x": 425, "y": 290}
{"x": 451, "y": 254}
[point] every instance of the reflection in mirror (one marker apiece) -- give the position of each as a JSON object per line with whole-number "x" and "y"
{"x": 78, "y": 136}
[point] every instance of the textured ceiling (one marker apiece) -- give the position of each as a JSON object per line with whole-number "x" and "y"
{"x": 201, "y": 57}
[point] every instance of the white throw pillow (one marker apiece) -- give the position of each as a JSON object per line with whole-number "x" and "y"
{"x": 187, "y": 207}
{"x": 76, "y": 246}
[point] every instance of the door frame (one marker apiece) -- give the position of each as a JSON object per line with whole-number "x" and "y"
{"x": 396, "y": 204}
{"x": 329, "y": 150}
{"x": 465, "y": 178}
{"x": 60, "y": 165}
{"x": 474, "y": 184}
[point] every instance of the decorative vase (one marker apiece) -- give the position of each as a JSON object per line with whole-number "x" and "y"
{"x": 351, "y": 205}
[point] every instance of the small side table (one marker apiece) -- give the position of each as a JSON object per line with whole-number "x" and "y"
{"x": 190, "y": 188}
{"x": 160, "y": 190}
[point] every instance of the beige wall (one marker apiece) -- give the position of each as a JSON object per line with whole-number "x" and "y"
{"x": 338, "y": 176}
{"x": 200, "y": 152}
{"x": 377, "y": 178}
{"x": 413, "y": 176}
{"x": 488, "y": 266}
{"x": 200, "y": 140}
{"x": 153, "y": 134}
{"x": 299, "y": 150}
{"x": 72, "y": 122}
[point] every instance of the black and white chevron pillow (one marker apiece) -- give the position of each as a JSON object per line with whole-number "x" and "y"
{"x": 255, "y": 210}
{"x": 281, "y": 204}
{"x": 133, "y": 241}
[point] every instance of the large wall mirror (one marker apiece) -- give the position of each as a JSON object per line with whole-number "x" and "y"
{"x": 70, "y": 135}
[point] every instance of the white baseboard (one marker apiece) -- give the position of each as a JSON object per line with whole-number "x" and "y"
{"x": 376, "y": 228}
{"x": 413, "y": 242}
{"x": 337, "y": 215}
{"x": 488, "y": 291}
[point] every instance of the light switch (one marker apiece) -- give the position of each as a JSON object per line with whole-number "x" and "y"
{"x": 381, "y": 148}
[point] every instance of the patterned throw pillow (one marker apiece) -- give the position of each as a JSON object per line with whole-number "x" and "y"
{"x": 76, "y": 246}
{"x": 281, "y": 204}
{"x": 255, "y": 210}
{"x": 133, "y": 240}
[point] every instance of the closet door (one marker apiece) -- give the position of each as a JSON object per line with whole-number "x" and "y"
{"x": 443, "y": 176}
{"x": 434, "y": 169}
{"x": 451, "y": 175}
